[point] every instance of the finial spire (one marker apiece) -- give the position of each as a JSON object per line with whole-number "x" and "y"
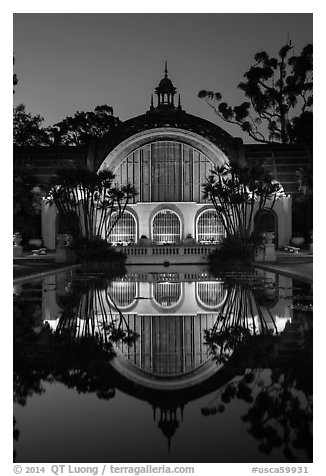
{"x": 166, "y": 69}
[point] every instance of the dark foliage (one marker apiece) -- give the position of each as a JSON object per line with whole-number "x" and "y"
{"x": 279, "y": 93}
{"x": 27, "y": 197}
{"x": 84, "y": 126}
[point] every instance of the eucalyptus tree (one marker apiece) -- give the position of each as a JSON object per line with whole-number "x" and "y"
{"x": 27, "y": 129}
{"x": 83, "y": 126}
{"x": 279, "y": 90}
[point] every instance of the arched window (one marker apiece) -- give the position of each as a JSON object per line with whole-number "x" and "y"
{"x": 166, "y": 227}
{"x": 210, "y": 293}
{"x": 122, "y": 293}
{"x": 165, "y": 171}
{"x": 167, "y": 294}
{"x": 209, "y": 228}
{"x": 124, "y": 230}
{"x": 266, "y": 221}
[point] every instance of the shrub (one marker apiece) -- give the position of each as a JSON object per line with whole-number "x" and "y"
{"x": 98, "y": 253}
{"x": 233, "y": 254}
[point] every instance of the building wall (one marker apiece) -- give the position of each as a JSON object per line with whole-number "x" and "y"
{"x": 281, "y": 160}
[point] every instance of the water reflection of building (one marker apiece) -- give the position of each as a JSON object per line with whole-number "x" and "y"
{"x": 170, "y": 313}
{"x": 168, "y": 365}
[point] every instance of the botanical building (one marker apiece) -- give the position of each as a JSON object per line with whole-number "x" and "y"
{"x": 167, "y": 154}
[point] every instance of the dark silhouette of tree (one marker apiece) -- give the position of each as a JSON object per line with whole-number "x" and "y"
{"x": 95, "y": 316}
{"x": 280, "y": 411}
{"x": 78, "y": 359}
{"x": 235, "y": 191}
{"x": 16, "y": 436}
{"x": 91, "y": 199}
{"x": 279, "y": 394}
{"x": 245, "y": 314}
{"x": 83, "y": 126}
{"x": 72, "y": 131}
{"x": 15, "y": 78}
{"x": 280, "y": 98}
{"x": 26, "y": 206}
{"x": 27, "y": 130}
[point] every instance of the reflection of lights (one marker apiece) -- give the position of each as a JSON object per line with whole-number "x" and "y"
{"x": 167, "y": 294}
{"x": 123, "y": 292}
{"x": 211, "y": 293}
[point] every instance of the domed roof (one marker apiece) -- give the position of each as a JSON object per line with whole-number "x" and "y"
{"x": 166, "y": 86}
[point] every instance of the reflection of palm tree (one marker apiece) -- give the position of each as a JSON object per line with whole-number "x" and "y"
{"x": 96, "y": 316}
{"x": 79, "y": 358}
{"x": 241, "y": 316}
{"x": 280, "y": 414}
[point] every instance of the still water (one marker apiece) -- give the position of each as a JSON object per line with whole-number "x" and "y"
{"x": 163, "y": 365}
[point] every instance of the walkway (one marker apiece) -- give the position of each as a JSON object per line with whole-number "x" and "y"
{"x": 32, "y": 267}
{"x": 295, "y": 265}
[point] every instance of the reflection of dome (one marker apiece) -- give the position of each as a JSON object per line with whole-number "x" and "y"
{"x": 170, "y": 351}
{"x": 168, "y": 423}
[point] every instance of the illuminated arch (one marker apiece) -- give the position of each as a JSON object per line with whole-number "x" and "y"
{"x": 125, "y": 230}
{"x": 123, "y": 293}
{"x": 210, "y": 294}
{"x": 209, "y": 227}
{"x": 167, "y": 294}
{"x": 165, "y": 164}
{"x": 166, "y": 227}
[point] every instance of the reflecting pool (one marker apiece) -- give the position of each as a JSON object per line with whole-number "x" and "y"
{"x": 163, "y": 364}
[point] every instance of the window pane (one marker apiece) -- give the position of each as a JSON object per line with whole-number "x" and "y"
{"x": 211, "y": 294}
{"x": 166, "y": 163}
{"x": 210, "y": 228}
{"x": 125, "y": 229}
{"x": 166, "y": 227}
{"x": 167, "y": 294}
{"x": 123, "y": 293}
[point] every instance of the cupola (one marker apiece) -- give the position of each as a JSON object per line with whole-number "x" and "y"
{"x": 165, "y": 92}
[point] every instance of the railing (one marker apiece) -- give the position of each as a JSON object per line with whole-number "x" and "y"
{"x": 166, "y": 250}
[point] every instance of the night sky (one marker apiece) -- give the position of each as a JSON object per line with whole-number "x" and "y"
{"x": 69, "y": 62}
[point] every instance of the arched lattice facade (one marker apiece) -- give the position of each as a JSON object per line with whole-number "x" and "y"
{"x": 209, "y": 228}
{"x": 124, "y": 231}
{"x": 166, "y": 227}
{"x": 165, "y": 171}
{"x": 167, "y": 294}
{"x": 122, "y": 293}
{"x": 168, "y": 345}
{"x": 210, "y": 294}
